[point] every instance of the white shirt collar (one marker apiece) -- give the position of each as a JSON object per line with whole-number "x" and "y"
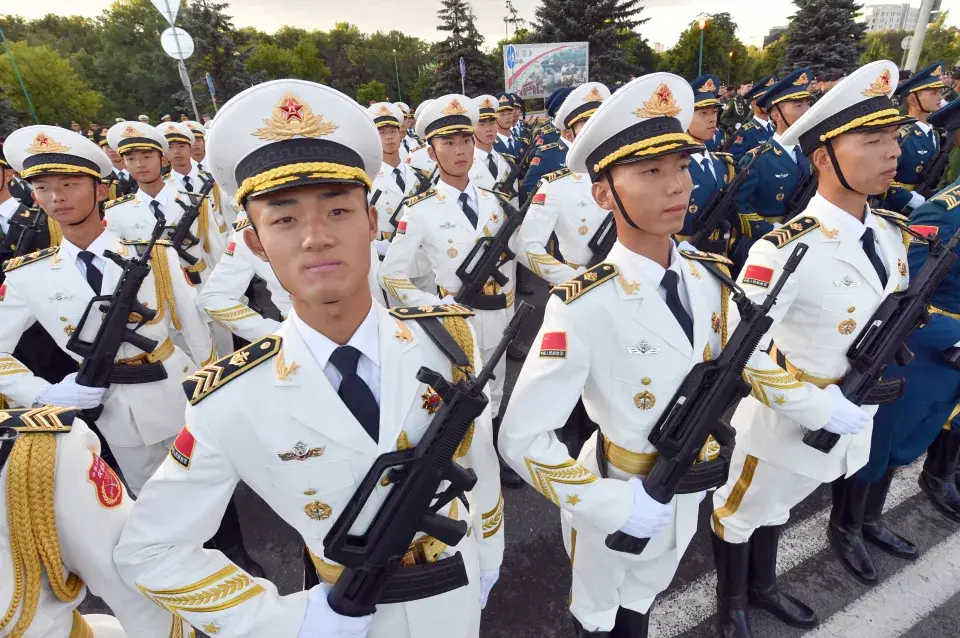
{"x": 789, "y": 149}
{"x": 838, "y": 217}
{"x": 762, "y": 123}
{"x": 482, "y": 154}
{"x": 454, "y": 193}
{"x": 194, "y": 176}
{"x": 563, "y": 142}
{"x": 105, "y": 241}
{"x": 926, "y": 128}
{"x": 646, "y": 266}
{"x": 699, "y": 157}
{"x": 162, "y": 197}
{"x": 366, "y": 339}
{"x": 9, "y": 207}
{"x": 504, "y": 137}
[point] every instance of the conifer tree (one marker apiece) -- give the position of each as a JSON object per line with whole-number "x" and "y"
{"x": 464, "y": 40}
{"x": 825, "y": 35}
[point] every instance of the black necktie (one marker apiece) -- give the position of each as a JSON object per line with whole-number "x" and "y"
{"x": 469, "y": 212}
{"x": 155, "y": 205}
{"x": 399, "y": 177}
{"x": 94, "y": 276}
{"x": 870, "y": 247}
{"x": 670, "y": 284}
{"x": 492, "y": 165}
{"x": 354, "y": 392}
{"x": 187, "y": 186}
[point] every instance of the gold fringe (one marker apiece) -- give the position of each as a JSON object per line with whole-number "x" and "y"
{"x": 652, "y": 146}
{"x": 887, "y": 116}
{"x": 34, "y": 543}
{"x": 447, "y": 130}
{"x": 724, "y": 306}
{"x": 164, "y": 287}
{"x": 56, "y": 234}
{"x": 203, "y": 224}
{"x": 215, "y": 193}
{"x": 292, "y": 172}
{"x": 459, "y": 329}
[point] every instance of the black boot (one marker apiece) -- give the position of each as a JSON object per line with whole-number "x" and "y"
{"x": 845, "y": 528}
{"x": 875, "y": 530}
{"x": 229, "y": 540}
{"x": 508, "y": 478}
{"x": 938, "y": 478}
{"x": 630, "y": 624}
{"x": 763, "y": 591}
{"x": 733, "y": 566}
{"x": 580, "y": 632}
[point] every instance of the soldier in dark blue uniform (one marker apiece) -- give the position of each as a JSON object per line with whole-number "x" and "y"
{"x": 777, "y": 170}
{"x": 551, "y": 153}
{"x": 521, "y": 129}
{"x": 715, "y": 144}
{"x": 919, "y": 142}
{"x": 759, "y": 129}
{"x": 927, "y": 414}
{"x": 507, "y": 143}
{"x": 710, "y": 171}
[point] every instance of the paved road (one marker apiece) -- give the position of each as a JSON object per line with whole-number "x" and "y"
{"x": 917, "y": 600}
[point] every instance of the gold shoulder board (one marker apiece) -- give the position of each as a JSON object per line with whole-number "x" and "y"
{"x": 699, "y": 255}
{"x": 119, "y": 200}
{"x": 241, "y": 224}
{"x": 421, "y": 312}
{"x": 555, "y": 175}
{"x": 422, "y": 146}
{"x": 419, "y": 198}
{"x": 547, "y": 147}
{"x": 17, "y": 262}
{"x": 45, "y": 419}
{"x": 498, "y": 194}
{"x": 794, "y": 230}
{"x": 579, "y": 286}
{"x": 949, "y": 197}
{"x": 144, "y": 242}
{"x": 896, "y": 218}
{"x": 204, "y": 381}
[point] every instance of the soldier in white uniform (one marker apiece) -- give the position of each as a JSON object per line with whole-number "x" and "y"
{"x": 131, "y": 217}
{"x": 445, "y": 223}
{"x": 564, "y": 203}
{"x": 856, "y": 258}
{"x": 419, "y": 157}
{"x": 489, "y": 167}
{"x": 76, "y": 506}
{"x": 198, "y": 150}
{"x": 336, "y": 382}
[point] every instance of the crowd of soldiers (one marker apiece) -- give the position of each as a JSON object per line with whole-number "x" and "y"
{"x": 323, "y": 293}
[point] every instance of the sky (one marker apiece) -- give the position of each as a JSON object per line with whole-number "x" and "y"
{"x": 668, "y": 18}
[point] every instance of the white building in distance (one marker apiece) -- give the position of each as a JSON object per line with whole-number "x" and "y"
{"x": 891, "y": 17}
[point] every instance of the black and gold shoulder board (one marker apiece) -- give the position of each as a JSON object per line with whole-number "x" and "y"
{"x": 748, "y": 126}
{"x": 547, "y": 147}
{"x": 50, "y": 419}
{"x": 794, "y": 230}
{"x": 144, "y": 242}
{"x": 422, "y": 146}
{"x": 555, "y": 175}
{"x": 241, "y": 224}
{"x": 498, "y": 194}
{"x": 17, "y": 262}
{"x": 204, "y": 381}
{"x": 580, "y": 285}
{"x": 950, "y": 197}
{"x": 419, "y": 198}
{"x": 900, "y": 220}
{"x": 699, "y": 255}
{"x": 422, "y": 312}
{"x": 119, "y": 200}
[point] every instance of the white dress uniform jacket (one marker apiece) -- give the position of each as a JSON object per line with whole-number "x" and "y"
{"x": 390, "y": 195}
{"x": 306, "y": 467}
{"x": 480, "y": 175}
{"x": 91, "y": 507}
{"x": 419, "y": 158}
{"x": 49, "y": 289}
{"x": 563, "y": 204}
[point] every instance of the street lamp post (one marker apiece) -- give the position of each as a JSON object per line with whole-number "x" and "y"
{"x": 16, "y": 71}
{"x": 703, "y": 22}
{"x": 730, "y": 68}
{"x": 396, "y": 67}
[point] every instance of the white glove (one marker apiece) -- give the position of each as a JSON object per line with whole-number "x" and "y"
{"x": 382, "y": 246}
{"x": 69, "y": 394}
{"x": 320, "y": 621}
{"x": 847, "y": 418}
{"x": 487, "y": 581}
{"x": 648, "y": 517}
{"x": 916, "y": 199}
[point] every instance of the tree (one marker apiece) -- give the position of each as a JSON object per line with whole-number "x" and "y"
{"x": 770, "y": 61}
{"x": 372, "y": 91}
{"x": 606, "y": 24}
{"x": 940, "y": 44}
{"x": 58, "y": 95}
{"x": 640, "y": 54}
{"x": 824, "y": 35}
{"x": 513, "y": 18}
{"x": 457, "y": 19}
{"x": 877, "y": 47}
{"x": 9, "y": 119}
{"x": 719, "y": 39}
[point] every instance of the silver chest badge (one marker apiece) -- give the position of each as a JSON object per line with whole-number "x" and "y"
{"x": 447, "y": 226}
{"x": 847, "y": 282}
{"x": 643, "y": 349}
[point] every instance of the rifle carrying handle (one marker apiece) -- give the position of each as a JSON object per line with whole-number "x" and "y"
{"x": 623, "y": 542}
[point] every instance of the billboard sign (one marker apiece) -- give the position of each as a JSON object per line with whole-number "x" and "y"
{"x": 537, "y": 70}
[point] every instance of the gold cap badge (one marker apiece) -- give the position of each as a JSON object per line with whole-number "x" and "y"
{"x": 454, "y": 108}
{"x": 708, "y": 86}
{"x": 803, "y": 80}
{"x": 292, "y": 117}
{"x": 43, "y": 143}
{"x": 660, "y": 104}
{"x": 880, "y": 87}
{"x": 593, "y": 96}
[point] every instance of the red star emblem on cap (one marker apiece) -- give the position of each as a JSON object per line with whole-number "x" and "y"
{"x": 664, "y": 94}
{"x": 41, "y": 140}
{"x": 291, "y": 108}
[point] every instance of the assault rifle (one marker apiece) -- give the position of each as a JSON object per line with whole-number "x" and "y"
{"x": 934, "y": 172}
{"x": 694, "y": 414}
{"x": 372, "y": 574}
{"x": 98, "y": 369}
{"x": 426, "y": 183}
{"x": 883, "y": 342}
{"x": 508, "y": 185}
{"x": 719, "y": 207}
{"x": 602, "y": 240}
{"x": 180, "y": 235}
{"x": 30, "y": 233}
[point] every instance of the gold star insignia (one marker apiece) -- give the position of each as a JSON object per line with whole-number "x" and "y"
{"x": 573, "y": 499}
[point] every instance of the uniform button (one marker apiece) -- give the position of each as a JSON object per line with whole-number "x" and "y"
{"x": 309, "y": 492}
{"x": 851, "y": 308}
{"x": 646, "y": 381}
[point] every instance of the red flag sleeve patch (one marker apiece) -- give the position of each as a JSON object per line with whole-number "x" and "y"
{"x": 232, "y": 246}
{"x": 540, "y": 199}
{"x": 3, "y": 291}
{"x": 182, "y": 449}
{"x": 535, "y": 161}
{"x": 402, "y": 227}
{"x": 926, "y": 231}
{"x": 106, "y": 482}
{"x": 758, "y": 276}
{"x": 554, "y": 345}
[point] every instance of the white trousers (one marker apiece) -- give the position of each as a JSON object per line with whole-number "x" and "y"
{"x": 140, "y": 462}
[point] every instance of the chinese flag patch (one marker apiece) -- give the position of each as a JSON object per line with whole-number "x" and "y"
{"x": 107, "y": 483}
{"x": 231, "y": 247}
{"x": 402, "y": 227}
{"x": 738, "y": 140}
{"x": 182, "y": 448}
{"x": 3, "y": 291}
{"x": 535, "y": 161}
{"x": 758, "y": 276}
{"x": 926, "y": 231}
{"x": 104, "y": 222}
{"x": 540, "y": 199}
{"x": 554, "y": 345}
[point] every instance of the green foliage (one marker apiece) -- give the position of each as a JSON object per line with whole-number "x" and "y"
{"x": 464, "y": 41}
{"x": 940, "y": 44}
{"x": 825, "y": 35}
{"x": 882, "y": 45}
{"x": 372, "y": 91}
{"x": 10, "y": 120}
{"x": 58, "y": 95}
{"x": 719, "y": 39}
{"x": 271, "y": 62}
{"x": 770, "y": 60}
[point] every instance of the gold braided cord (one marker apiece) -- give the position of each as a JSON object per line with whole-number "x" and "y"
{"x": 535, "y": 260}
{"x": 582, "y": 116}
{"x": 724, "y": 306}
{"x": 291, "y": 172}
{"x": 702, "y": 104}
{"x": 936, "y": 84}
{"x": 164, "y": 287}
{"x": 203, "y": 224}
{"x": 651, "y": 146}
{"x": 129, "y": 146}
{"x": 60, "y": 169}
{"x": 9, "y": 365}
{"x": 56, "y": 235}
{"x": 449, "y": 130}
{"x": 802, "y": 95}
{"x": 886, "y": 116}
{"x": 215, "y": 193}
{"x": 459, "y": 329}
{"x": 34, "y": 543}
